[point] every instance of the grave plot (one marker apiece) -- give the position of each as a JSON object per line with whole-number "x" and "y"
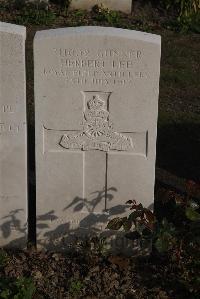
{"x": 96, "y": 103}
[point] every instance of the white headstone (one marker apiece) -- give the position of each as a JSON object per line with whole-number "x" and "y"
{"x": 96, "y": 103}
{"x": 13, "y": 139}
{"x": 121, "y": 5}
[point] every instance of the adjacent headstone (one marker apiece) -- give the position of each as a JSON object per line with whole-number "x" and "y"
{"x": 13, "y": 144}
{"x": 121, "y": 5}
{"x": 96, "y": 103}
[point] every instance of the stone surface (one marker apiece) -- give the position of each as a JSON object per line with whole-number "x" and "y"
{"x": 13, "y": 144}
{"x": 96, "y": 103}
{"x": 122, "y": 5}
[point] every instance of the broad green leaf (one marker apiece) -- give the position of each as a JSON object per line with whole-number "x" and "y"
{"x": 127, "y": 225}
{"x": 192, "y": 215}
{"x": 115, "y": 224}
{"x": 134, "y": 215}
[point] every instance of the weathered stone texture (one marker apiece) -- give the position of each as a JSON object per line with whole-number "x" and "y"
{"x": 13, "y": 142}
{"x": 96, "y": 103}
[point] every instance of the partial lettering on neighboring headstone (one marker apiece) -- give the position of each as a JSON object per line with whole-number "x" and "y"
{"x": 121, "y": 5}
{"x": 96, "y": 105}
{"x": 13, "y": 139}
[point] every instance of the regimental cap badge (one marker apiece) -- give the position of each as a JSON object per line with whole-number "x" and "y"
{"x": 96, "y": 103}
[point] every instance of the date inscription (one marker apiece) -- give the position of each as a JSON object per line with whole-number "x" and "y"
{"x": 100, "y": 67}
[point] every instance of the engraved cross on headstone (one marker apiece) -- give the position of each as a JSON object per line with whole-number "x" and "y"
{"x": 97, "y": 141}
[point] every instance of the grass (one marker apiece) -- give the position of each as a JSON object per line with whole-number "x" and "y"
{"x": 178, "y": 144}
{"x": 179, "y": 70}
{"x": 75, "y": 287}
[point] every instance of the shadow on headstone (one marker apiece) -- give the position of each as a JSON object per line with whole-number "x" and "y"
{"x": 10, "y": 226}
{"x": 65, "y": 237}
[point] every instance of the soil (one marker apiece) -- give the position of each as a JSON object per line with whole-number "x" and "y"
{"x": 86, "y": 274}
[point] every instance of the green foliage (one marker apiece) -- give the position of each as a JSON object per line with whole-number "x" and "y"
{"x": 25, "y": 288}
{"x": 188, "y": 12}
{"x": 191, "y": 22}
{"x": 175, "y": 234}
{"x": 75, "y": 287}
{"x": 192, "y": 214}
{"x": 98, "y": 245}
{"x": 184, "y": 7}
{"x": 104, "y": 14}
{"x": 115, "y": 224}
{"x": 164, "y": 237}
{"x": 64, "y": 4}
{"x": 35, "y": 16}
{"x": 138, "y": 225}
{"x": 22, "y": 288}
{"x": 19, "y": 4}
{"x": 3, "y": 258}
